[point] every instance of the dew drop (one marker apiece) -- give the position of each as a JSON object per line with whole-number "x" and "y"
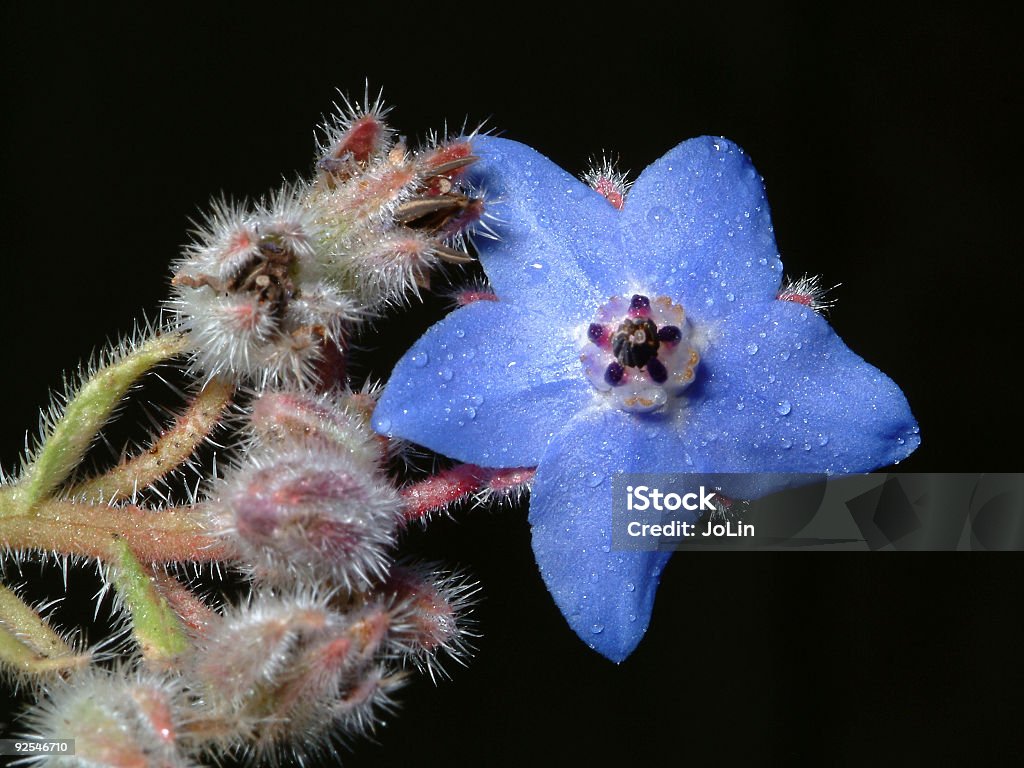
{"x": 420, "y": 359}
{"x": 784, "y": 354}
{"x": 752, "y": 348}
{"x": 730, "y": 297}
{"x": 476, "y": 399}
{"x": 630, "y": 586}
{"x": 471, "y": 413}
{"x": 460, "y": 333}
{"x": 595, "y": 479}
{"x": 807, "y": 446}
{"x": 446, "y": 374}
{"x": 786, "y": 442}
{"x": 384, "y": 425}
{"x": 784, "y": 407}
{"x": 597, "y": 629}
{"x": 535, "y": 272}
{"x": 900, "y": 441}
{"x": 740, "y": 406}
{"x": 594, "y": 578}
{"x": 659, "y": 214}
{"x": 632, "y": 617}
{"x": 822, "y": 439}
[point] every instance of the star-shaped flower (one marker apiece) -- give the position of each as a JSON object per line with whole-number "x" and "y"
{"x": 646, "y": 339}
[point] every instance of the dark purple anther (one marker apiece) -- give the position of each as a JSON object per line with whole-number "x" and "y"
{"x": 596, "y": 332}
{"x": 614, "y": 372}
{"x": 656, "y": 370}
{"x": 669, "y": 333}
{"x": 639, "y": 306}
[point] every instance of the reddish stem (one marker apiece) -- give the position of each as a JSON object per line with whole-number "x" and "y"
{"x": 74, "y": 528}
{"x": 458, "y": 483}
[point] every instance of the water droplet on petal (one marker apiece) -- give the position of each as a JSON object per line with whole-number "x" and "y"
{"x": 752, "y": 348}
{"x": 384, "y": 425}
{"x": 786, "y": 442}
{"x": 594, "y": 578}
{"x": 784, "y": 354}
{"x": 630, "y": 586}
{"x": 460, "y": 333}
{"x": 632, "y": 617}
{"x": 822, "y": 439}
{"x": 420, "y": 359}
{"x": 535, "y": 271}
{"x": 446, "y": 374}
{"x": 595, "y": 479}
{"x": 597, "y": 629}
{"x": 784, "y": 407}
{"x": 730, "y": 297}
{"x": 659, "y": 214}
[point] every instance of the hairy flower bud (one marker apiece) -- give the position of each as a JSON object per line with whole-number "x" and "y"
{"x": 283, "y": 671}
{"x": 607, "y": 180}
{"x": 116, "y": 718}
{"x": 307, "y": 509}
{"x": 356, "y": 135}
{"x": 431, "y": 610}
{"x": 287, "y": 416}
{"x": 253, "y": 294}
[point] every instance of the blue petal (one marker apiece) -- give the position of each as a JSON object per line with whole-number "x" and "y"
{"x": 783, "y": 393}
{"x": 559, "y": 243}
{"x": 697, "y": 220}
{"x": 606, "y": 596}
{"x": 489, "y": 384}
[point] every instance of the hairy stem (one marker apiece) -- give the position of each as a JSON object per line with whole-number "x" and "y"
{"x": 27, "y": 643}
{"x": 465, "y": 481}
{"x": 172, "y": 449}
{"x": 84, "y": 416}
{"x": 176, "y": 534}
{"x": 155, "y": 626}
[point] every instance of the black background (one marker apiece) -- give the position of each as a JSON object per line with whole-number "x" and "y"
{"x": 886, "y": 142}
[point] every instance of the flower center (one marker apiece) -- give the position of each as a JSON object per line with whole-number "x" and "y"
{"x": 639, "y": 352}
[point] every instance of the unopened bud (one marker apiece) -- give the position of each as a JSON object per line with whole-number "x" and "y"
{"x": 283, "y": 416}
{"x": 431, "y": 610}
{"x": 354, "y": 137}
{"x": 284, "y": 672}
{"x": 807, "y": 291}
{"x": 306, "y": 509}
{"x": 116, "y": 718}
{"x": 604, "y": 178}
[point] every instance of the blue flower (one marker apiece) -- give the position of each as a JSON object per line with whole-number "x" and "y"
{"x": 648, "y": 339}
